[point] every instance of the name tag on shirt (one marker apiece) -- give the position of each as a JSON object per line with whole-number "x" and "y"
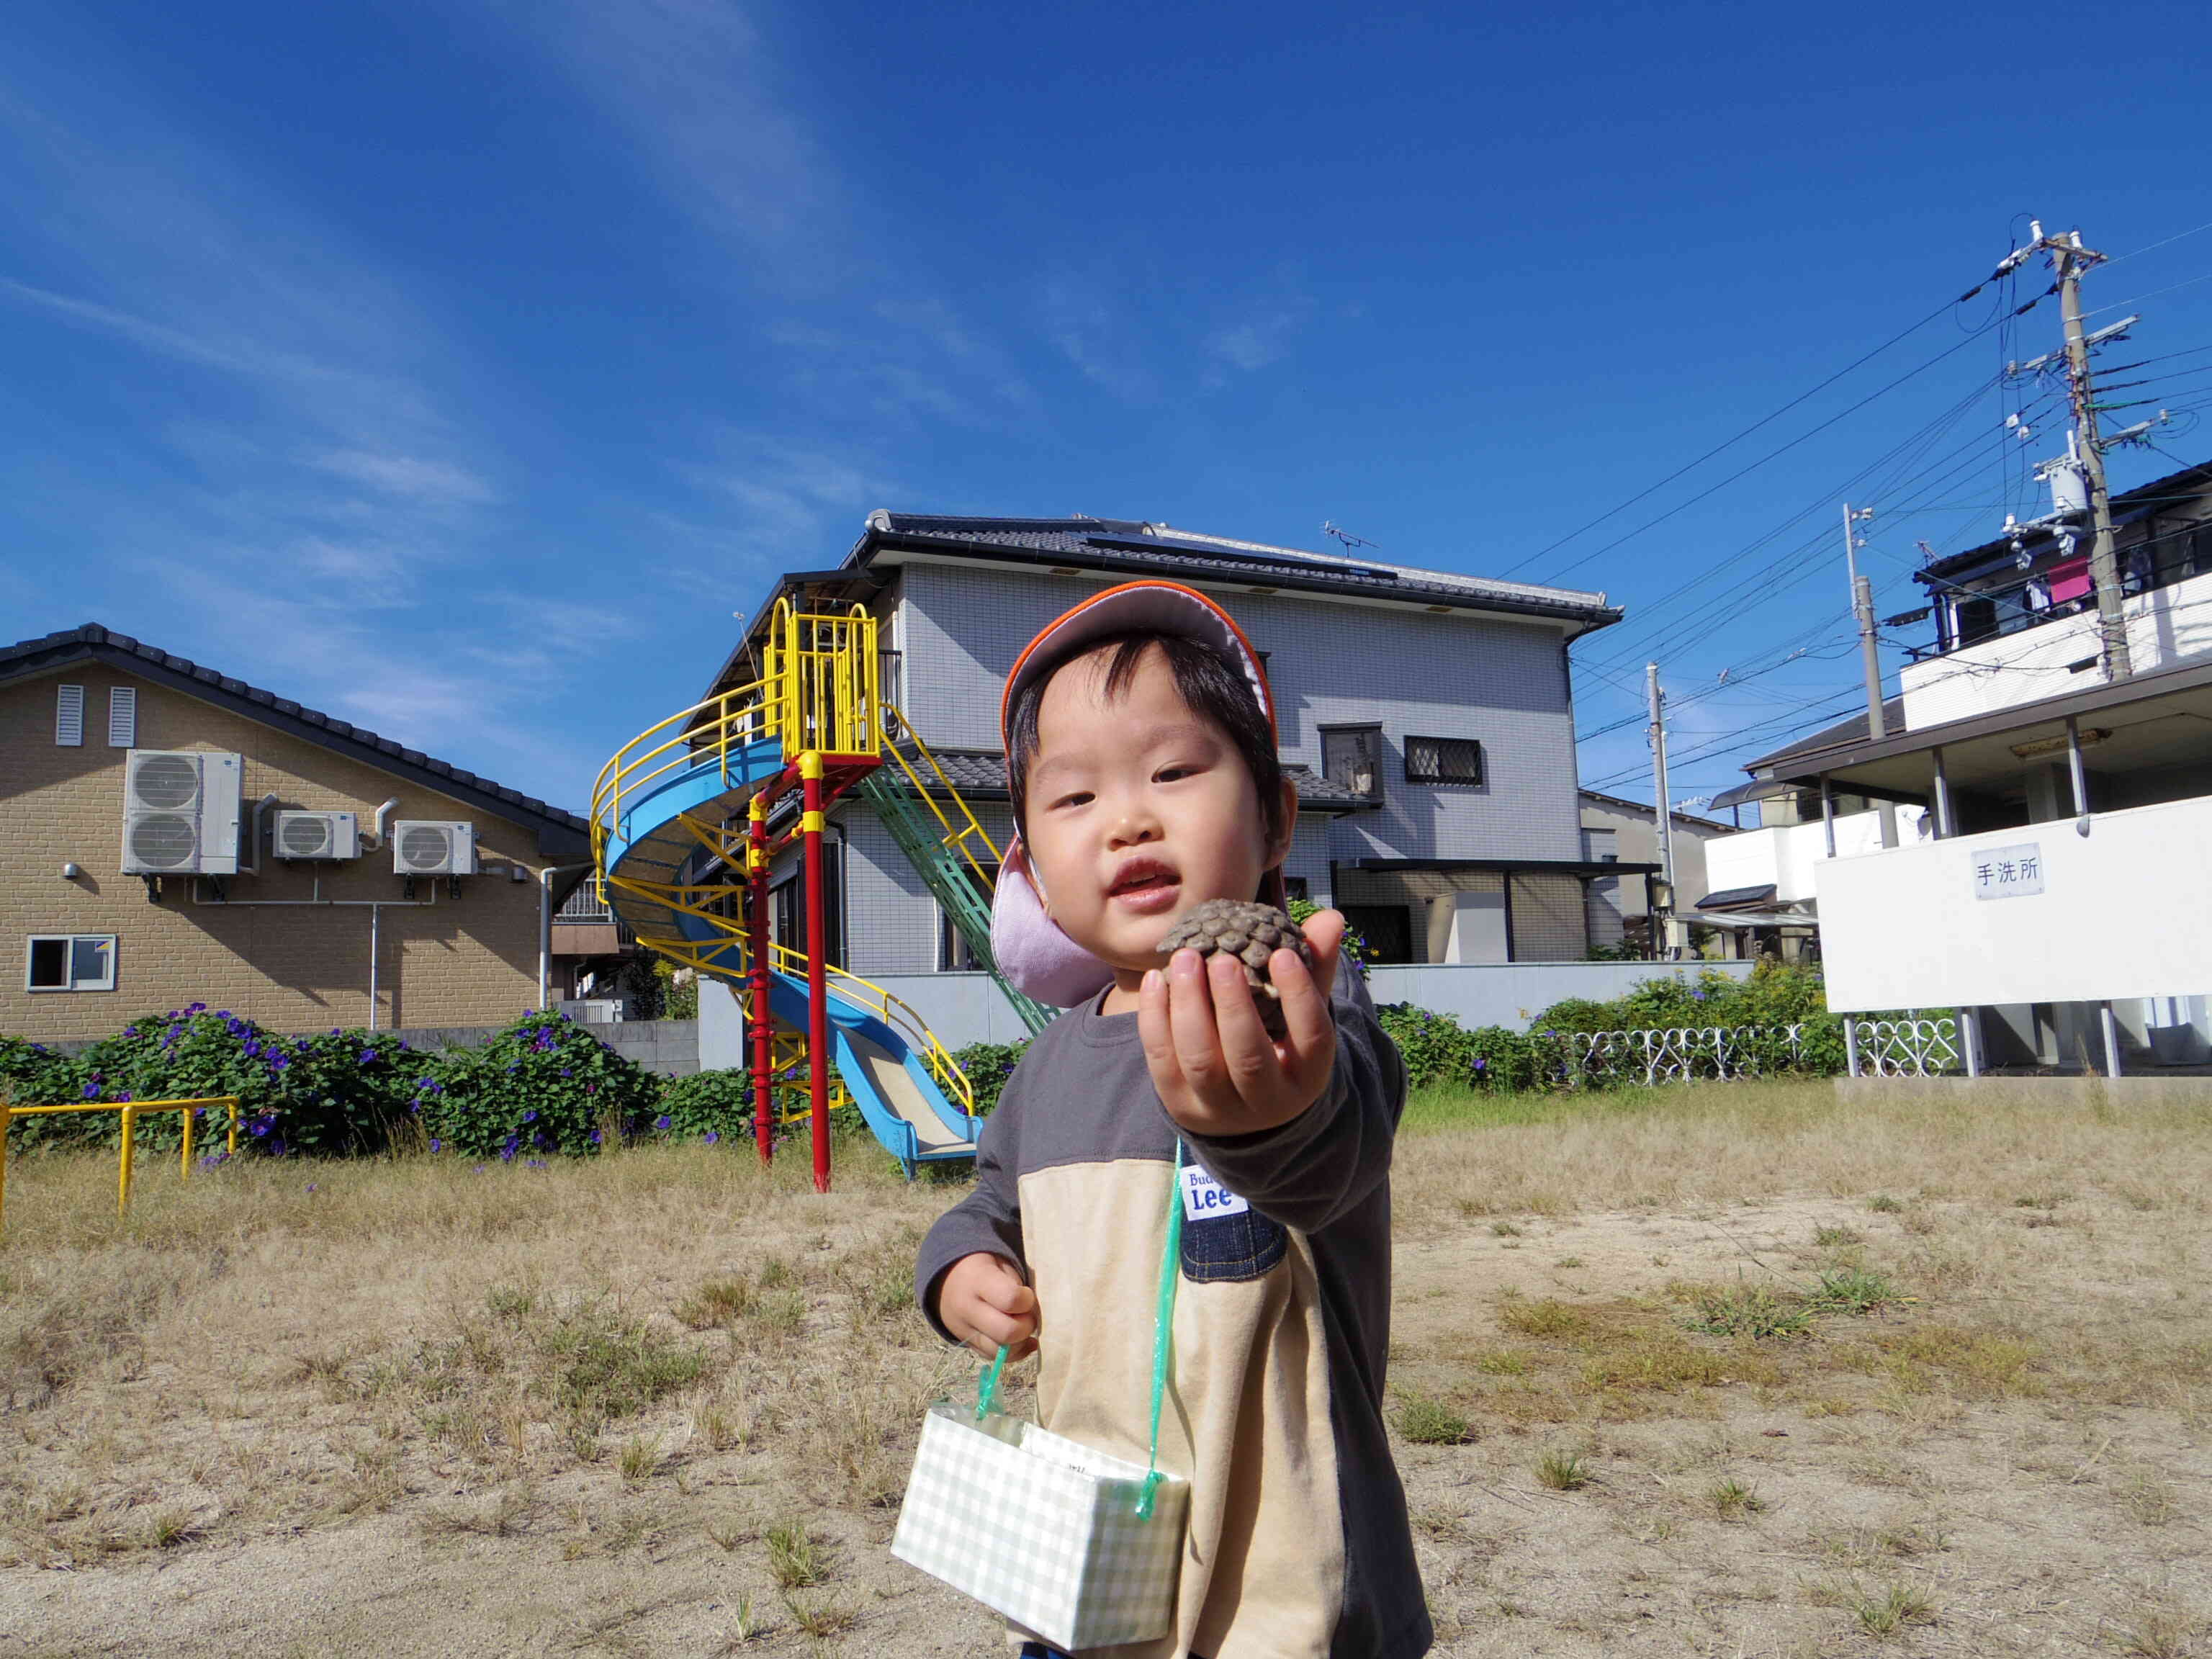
{"x": 1204, "y": 1198}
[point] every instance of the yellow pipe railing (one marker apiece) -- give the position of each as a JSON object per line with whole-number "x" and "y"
{"x": 960, "y": 825}
{"x": 130, "y": 1109}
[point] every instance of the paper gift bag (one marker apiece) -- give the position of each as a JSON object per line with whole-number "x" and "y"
{"x": 1079, "y": 1548}
{"x": 1046, "y": 1531}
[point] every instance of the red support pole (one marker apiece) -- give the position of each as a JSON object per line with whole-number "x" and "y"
{"x": 763, "y": 1027}
{"x": 817, "y": 978}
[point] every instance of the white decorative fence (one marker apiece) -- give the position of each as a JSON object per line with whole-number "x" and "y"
{"x": 1902, "y": 1048}
{"x": 1899, "y": 1048}
{"x": 1676, "y": 1054}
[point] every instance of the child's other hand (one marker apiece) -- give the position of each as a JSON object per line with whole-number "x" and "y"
{"x": 1217, "y": 1069}
{"x": 983, "y": 1303}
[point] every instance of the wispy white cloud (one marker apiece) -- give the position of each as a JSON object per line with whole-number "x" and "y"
{"x": 1078, "y": 323}
{"x": 1263, "y": 334}
{"x": 408, "y": 477}
{"x": 693, "y": 87}
{"x": 787, "y": 500}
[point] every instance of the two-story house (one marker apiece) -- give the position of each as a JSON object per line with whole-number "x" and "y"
{"x": 1426, "y": 719}
{"x": 170, "y": 835}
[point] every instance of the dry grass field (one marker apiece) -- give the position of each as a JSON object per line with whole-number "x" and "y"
{"x": 1728, "y": 1370}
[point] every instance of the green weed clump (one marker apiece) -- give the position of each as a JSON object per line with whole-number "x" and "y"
{"x": 1428, "y": 1422}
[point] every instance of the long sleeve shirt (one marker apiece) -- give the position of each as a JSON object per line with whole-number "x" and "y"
{"x": 1297, "y": 1543}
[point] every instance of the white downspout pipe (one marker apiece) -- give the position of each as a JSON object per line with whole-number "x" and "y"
{"x": 382, "y": 818}
{"x": 545, "y": 925}
{"x": 375, "y": 915}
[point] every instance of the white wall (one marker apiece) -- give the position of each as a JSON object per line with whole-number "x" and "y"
{"x": 2164, "y": 626}
{"x": 2125, "y": 912}
{"x": 965, "y": 1008}
{"x": 1786, "y": 855}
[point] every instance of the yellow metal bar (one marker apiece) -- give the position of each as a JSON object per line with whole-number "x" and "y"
{"x": 232, "y": 1147}
{"x": 185, "y": 1157}
{"x": 123, "y": 1177}
{"x": 117, "y": 1105}
{"x": 6, "y": 1113}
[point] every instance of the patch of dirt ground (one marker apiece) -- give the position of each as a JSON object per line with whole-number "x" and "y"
{"x": 664, "y": 1405}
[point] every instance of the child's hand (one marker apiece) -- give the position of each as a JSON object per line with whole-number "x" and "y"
{"x": 983, "y": 1302}
{"x": 1216, "y": 1067}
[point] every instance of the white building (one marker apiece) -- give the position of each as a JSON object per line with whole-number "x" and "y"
{"x": 2024, "y": 839}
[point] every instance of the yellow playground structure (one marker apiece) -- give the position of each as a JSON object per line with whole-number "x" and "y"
{"x": 698, "y": 791}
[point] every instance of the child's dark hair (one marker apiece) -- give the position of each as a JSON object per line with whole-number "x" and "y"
{"x": 1214, "y": 689}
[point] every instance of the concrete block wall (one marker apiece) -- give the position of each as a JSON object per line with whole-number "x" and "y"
{"x": 473, "y": 961}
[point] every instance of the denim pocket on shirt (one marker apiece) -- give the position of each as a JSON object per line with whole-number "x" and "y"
{"x": 1228, "y": 1247}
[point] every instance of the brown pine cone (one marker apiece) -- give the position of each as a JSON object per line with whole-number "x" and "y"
{"x": 1252, "y": 933}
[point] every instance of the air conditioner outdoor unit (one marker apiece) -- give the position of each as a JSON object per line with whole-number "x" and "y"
{"x": 425, "y": 847}
{"x": 317, "y": 835}
{"x": 180, "y": 810}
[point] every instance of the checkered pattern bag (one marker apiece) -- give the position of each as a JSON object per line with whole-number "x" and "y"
{"x": 1080, "y": 1549}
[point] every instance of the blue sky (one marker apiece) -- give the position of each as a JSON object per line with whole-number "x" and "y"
{"x": 458, "y": 369}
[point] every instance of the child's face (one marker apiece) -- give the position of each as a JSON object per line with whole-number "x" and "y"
{"x": 1138, "y": 811}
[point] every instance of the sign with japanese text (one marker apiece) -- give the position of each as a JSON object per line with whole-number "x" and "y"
{"x": 2007, "y": 871}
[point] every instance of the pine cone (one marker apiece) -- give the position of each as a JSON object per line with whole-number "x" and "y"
{"x": 1252, "y": 933}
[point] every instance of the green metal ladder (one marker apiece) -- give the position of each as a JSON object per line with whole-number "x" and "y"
{"x": 950, "y": 879}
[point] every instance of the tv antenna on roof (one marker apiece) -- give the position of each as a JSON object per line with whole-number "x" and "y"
{"x": 1350, "y": 541}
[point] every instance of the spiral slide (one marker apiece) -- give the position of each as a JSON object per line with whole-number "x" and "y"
{"x": 882, "y": 1052}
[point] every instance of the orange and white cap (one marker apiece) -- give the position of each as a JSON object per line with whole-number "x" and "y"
{"x": 1134, "y": 607}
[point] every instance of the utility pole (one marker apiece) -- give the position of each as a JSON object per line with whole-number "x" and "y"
{"x": 2069, "y": 259}
{"x": 1665, "y": 914}
{"x": 1863, "y": 608}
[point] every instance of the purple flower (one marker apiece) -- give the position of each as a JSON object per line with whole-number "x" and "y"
{"x": 1482, "y": 1064}
{"x": 565, "y": 1071}
{"x": 595, "y": 1137}
{"x": 530, "y": 1117}
{"x": 197, "y": 1007}
{"x": 660, "y": 1122}
{"x": 533, "y": 1163}
{"x": 437, "y": 1146}
{"x": 311, "y": 1186}
{"x": 712, "y": 1137}
{"x": 252, "y": 1050}
{"x": 369, "y": 1056}
{"x": 479, "y": 1170}
{"x": 260, "y": 1127}
{"x": 92, "y": 1092}
{"x": 506, "y": 1154}
{"x": 279, "y": 1063}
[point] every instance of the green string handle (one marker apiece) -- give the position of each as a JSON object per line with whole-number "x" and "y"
{"x": 987, "y": 1391}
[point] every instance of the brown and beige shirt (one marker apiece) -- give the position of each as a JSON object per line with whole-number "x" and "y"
{"x": 1298, "y": 1545}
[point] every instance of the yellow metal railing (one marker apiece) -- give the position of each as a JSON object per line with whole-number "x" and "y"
{"x": 130, "y": 1109}
{"x": 963, "y": 831}
{"x": 820, "y": 691}
{"x": 895, "y": 1013}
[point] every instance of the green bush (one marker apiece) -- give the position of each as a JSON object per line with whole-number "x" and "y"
{"x": 988, "y": 1065}
{"x": 342, "y": 1093}
{"x": 1355, "y": 946}
{"x": 544, "y": 1084}
{"x": 713, "y": 1107}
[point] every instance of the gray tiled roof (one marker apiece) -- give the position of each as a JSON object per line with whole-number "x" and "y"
{"x": 981, "y": 774}
{"x": 1138, "y": 545}
{"x": 30, "y": 656}
{"x": 1842, "y": 735}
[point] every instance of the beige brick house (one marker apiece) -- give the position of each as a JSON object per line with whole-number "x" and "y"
{"x": 111, "y": 905}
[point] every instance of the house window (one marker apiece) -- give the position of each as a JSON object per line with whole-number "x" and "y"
{"x": 953, "y": 956}
{"x": 1351, "y": 758}
{"x": 69, "y": 716}
{"x": 1444, "y": 760}
{"x": 1296, "y": 887}
{"x": 71, "y": 962}
{"x": 787, "y": 912}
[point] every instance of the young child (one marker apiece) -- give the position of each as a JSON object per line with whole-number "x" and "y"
{"x": 1141, "y": 753}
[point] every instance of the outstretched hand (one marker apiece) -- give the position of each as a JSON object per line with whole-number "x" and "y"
{"x": 1218, "y": 1071}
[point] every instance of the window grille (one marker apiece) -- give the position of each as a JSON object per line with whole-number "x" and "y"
{"x": 1444, "y": 760}
{"x": 122, "y": 717}
{"x": 69, "y": 716}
